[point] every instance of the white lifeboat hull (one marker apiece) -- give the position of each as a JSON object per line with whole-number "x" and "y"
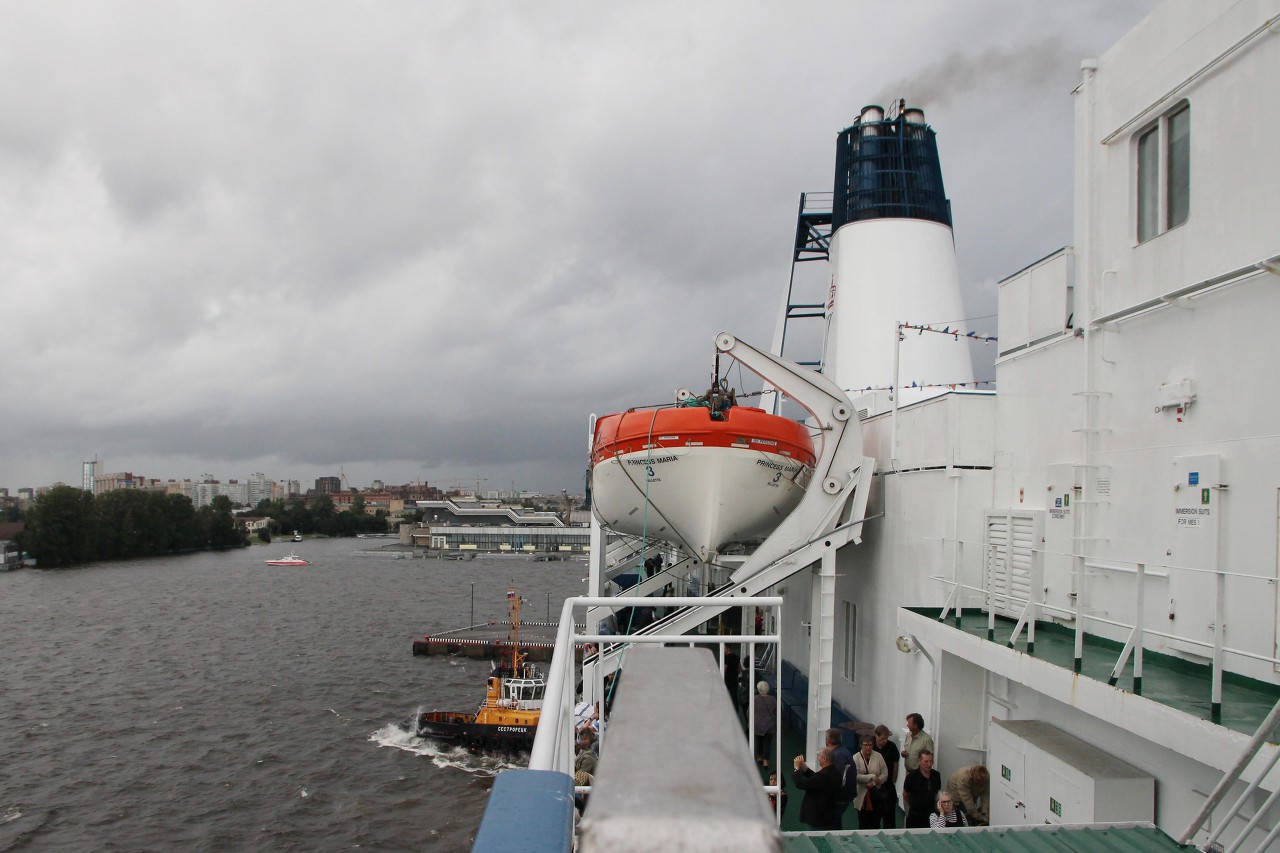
{"x": 698, "y": 478}
{"x": 698, "y": 497}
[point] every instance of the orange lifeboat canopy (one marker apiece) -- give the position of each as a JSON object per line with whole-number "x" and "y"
{"x": 699, "y": 481}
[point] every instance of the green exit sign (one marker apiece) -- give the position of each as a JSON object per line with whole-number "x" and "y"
{"x": 1055, "y": 807}
{"x": 1006, "y": 773}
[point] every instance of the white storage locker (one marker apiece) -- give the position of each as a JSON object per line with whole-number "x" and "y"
{"x": 1041, "y": 774}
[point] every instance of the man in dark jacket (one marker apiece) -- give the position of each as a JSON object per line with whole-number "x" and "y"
{"x": 820, "y": 808}
{"x": 920, "y": 791}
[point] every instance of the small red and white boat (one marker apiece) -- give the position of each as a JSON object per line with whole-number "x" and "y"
{"x": 702, "y": 474}
{"x": 290, "y": 560}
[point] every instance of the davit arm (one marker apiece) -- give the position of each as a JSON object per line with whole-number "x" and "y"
{"x": 835, "y": 502}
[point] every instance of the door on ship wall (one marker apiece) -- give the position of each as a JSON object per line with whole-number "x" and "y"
{"x": 1012, "y": 547}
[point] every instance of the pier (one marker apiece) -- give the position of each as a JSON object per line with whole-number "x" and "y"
{"x": 491, "y": 640}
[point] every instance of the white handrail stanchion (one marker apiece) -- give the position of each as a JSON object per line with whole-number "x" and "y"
{"x": 553, "y": 744}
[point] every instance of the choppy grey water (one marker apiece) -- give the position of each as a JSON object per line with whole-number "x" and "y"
{"x": 210, "y": 702}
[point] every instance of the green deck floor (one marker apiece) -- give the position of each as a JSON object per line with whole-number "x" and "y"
{"x": 1168, "y": 680}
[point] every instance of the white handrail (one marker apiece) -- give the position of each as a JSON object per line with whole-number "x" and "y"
{"x": 553, "y": 744}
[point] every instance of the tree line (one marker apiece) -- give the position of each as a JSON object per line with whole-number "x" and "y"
{"x": 66, "y": 526}
{"x": 319, "y": 516}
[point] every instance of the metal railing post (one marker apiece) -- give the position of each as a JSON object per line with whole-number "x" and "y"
{"x": 1219, "y": 641}
{"x": 1139, "y": 618}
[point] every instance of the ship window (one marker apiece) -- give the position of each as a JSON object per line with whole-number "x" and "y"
{"x": 850, "y": 638}
{"x": 1148, "y": 184}
{"x": 1164, "y": 174}
{"x": 1178, "y": 167}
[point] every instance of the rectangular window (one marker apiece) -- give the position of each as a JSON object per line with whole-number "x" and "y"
{"x": 1149, "y": 184}
{"x": 1164, "y": 174}
{"x": 1178, "y": 168}
{"x": 850, "y": 637}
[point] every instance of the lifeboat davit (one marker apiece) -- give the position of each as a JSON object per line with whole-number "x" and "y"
{"x": 701, "y": 474}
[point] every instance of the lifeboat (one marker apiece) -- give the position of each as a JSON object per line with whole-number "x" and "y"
{"x": 702, "y": 474}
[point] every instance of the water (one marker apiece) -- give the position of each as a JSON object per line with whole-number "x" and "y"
{"x": 210, "y": 702}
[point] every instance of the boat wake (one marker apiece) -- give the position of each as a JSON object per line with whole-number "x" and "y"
{"x": 442, "y": 754}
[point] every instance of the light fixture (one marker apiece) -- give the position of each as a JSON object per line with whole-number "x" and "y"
{"x": 907, "y": 644}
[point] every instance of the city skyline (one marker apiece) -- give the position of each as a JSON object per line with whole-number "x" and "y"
{"x": 472, "y": 487}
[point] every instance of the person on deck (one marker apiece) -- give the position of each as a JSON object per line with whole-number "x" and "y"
{"x": 841, "y": 758}
{"x": 947, "y": 816}
{"x": 971, "y": 787}
{"x": 820, "y": 809}
{"x": 917, "y": 740}
{"x": 778, "y": 801}
{"x": 766, "y": 709}
{"x": 586, "y": 759}
{"x": 920, "y": 791}
{"x": 872, "y": 773}
{"x": 887, "y": 794}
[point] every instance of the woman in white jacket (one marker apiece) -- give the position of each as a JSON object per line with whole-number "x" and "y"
{"x": 872, "y": 773}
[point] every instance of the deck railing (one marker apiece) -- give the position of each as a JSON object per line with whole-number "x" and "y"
{"x": 1135, "y": 632}
{"x": 553, "y": 746}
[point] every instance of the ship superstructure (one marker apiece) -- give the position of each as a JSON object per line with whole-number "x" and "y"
{"x": 1074, "y": 579}
{"x": 1107, "y": 520}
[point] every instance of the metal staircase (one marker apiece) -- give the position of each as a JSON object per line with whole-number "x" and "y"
{"x": 1226, "y": 820}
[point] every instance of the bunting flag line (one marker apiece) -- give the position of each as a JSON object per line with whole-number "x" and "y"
{"x": 956, "y": 333}
{"x": 952, "y": 385}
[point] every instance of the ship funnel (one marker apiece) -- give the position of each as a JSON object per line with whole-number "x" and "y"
{"x": 893, "y": 261}
{"x": 887, "y": 168}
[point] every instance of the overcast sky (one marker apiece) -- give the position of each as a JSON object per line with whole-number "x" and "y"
{"x": 423, "y": 241}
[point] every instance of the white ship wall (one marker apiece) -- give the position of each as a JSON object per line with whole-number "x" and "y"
{"x": 920, "y": 514}
{"x": 887, "y": 271}
{"x": 1091, "y": 351}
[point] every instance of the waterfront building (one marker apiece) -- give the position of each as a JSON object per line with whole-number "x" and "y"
{"x": 461, "y": 511}
{"x": 103, "y": 483}
{"x": 259, "y": 488}
{"x": 10, "y": 553}
{"x": 373, "y": 501}
{"x": 491, "y": 526}
{"x": 502, "y": 538}
{"x": 328, "y": 485}
{"x": 254, "y": 523}
{"x": 236, "y": 492}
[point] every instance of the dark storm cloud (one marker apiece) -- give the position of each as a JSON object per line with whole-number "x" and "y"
{"x": 425, "y": 241}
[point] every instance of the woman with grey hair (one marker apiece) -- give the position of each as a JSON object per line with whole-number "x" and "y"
{"x": 766, "y": 710}
{"x": 947, "y": 815}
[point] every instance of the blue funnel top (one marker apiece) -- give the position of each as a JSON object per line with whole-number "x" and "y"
{"x": 888, "y": 169}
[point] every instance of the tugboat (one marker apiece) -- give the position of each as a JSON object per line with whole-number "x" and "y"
{"x": 508, "y": 717}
